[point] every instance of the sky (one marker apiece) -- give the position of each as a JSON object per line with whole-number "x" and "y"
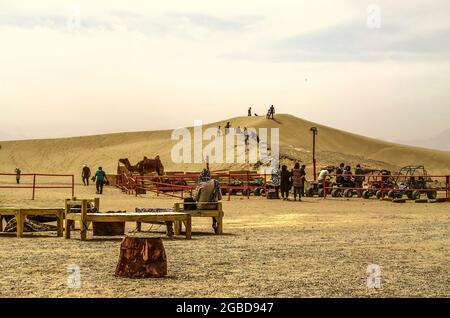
{"x": 380, "y": 69}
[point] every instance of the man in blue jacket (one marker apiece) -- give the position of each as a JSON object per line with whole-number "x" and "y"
{"x": 100, "y": 179}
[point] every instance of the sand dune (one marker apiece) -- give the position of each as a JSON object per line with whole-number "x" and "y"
{"x": 66, "y": 155}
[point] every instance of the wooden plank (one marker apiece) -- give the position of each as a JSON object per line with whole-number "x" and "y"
{"x": 134, "y": 218}
{"x": 188, "y": 225}
{"x": 59, "y": 223}
{"x": 83, "y": 226}
{"x": 68, "y": 225}
{"x": 19, "y": 226}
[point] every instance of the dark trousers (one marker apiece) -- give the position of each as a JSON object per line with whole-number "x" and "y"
{"x": 277, "y": 190}
{"x": 99, "y": 186}
{"x": 297, "y": 190}
{"x": 284, "y": 192}
{"x": 18, "y": 180}
{"x": 86, "y": 181}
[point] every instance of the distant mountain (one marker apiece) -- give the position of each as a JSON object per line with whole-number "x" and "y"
{"x": 439, "y": 142}
{"x": 8, "y": 136}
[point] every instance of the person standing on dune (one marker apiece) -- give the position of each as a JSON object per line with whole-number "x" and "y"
{"x": 250, "y": 112}
{"x": 85, "y": 174}
{"x": 18, "y": 172}
{"x": 100, "y": 179}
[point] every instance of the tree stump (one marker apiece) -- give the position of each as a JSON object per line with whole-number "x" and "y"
{"x": 141, "y": 258}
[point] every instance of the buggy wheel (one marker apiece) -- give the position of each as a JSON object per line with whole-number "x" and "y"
{"x": 245, "y": 192}
{"x": 432, "y": 195}
{"x": 336, "y": 193}
{"x": 409, "y": 195}
{"x": 257, "y": 192}
{"x": 415, "y": 195}
{"x": 348, "y": 193}
{"x": 379, "y": 194}
{"x": 391, "y": 194}
{"x": 366, "y": 194}
{"x": 320, "y": 193}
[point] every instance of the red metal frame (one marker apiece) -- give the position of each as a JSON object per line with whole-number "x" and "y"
{"x": 130, "y": 184}
{"x": 34, "y": 186}
{"x": 445, "y": 189}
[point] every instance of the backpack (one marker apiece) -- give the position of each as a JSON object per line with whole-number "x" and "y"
{"x": 191, "y": 206}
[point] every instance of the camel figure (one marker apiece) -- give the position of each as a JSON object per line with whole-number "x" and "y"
{"x": 151, "y": 165}
{"x": 145, "y": 166}
{"x": 128, "y": 165}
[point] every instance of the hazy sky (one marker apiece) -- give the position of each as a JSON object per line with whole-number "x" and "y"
{"x": 87, "y": 67}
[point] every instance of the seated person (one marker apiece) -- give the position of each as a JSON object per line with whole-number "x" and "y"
{"x": 208, "y": 194}
{"x": 324, "y": 174}
{"x": 347, "y": 178}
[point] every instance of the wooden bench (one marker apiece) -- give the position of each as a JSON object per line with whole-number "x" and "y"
{"x": 84, "y": 218}
{"x": 21, "y": 213}
{"x": 217, "y": 214}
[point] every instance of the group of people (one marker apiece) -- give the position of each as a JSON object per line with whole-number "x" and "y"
{"x": 344, "y": 175}
{"x": 99, "y": 178}
{"x": 239, "y": 130}
{"x": 285, "y": 180}
{"x": 270, "y": 112}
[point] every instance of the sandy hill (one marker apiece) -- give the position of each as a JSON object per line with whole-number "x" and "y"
{"x": 66, "y": 155}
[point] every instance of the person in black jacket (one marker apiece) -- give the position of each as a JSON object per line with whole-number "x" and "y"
{"x": 286, "y": 182}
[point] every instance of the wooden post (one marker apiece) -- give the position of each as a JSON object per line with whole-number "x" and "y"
{"x": 83, "y": 225}
{"x": 34, "y": 185}
{"x": 188, "y": 226}
{"x": 220, "y": 219}
{"x": 19, "y": 225}
{"x": 97, "y": 204}
{"x": 59, "y": 223}
{"x": 1, "y": 223}
{"x": 68, "y": 222}
{"x": 73, "y": 185}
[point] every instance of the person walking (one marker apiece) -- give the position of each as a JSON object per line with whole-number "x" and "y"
{"x": 219, "y": 132}
{"x": 250, "y": 112}
{"x": 85, "y": 174}
{"x": 18, "y": 172}
{"x": 272, "y": 111}
{"x": 246, "y": 135}
{"x": 227, "y": 128}
{"x": 303, "y": 174}
{"x": 359, "y": 179}
{"x": 297, "y": 181}
{"x": 276, "y": 180}
{"x": 100, "y": 179}
{"x": 286, "y": 182}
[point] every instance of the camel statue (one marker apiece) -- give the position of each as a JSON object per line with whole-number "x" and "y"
{"x": 145, "y": 166}
{"x": 151, "y": 165}
{"x": 128, "y": 165}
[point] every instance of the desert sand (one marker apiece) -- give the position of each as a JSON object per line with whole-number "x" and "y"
{"x": 271, "y": 248}
{"x": 66, "y": 155}
{"x": 315, "y": 248}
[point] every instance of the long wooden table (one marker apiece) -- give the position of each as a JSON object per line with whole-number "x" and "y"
{"x": 21, "y": 213}
{"x": 217, "y": 214}
{"x": 85, "y": 218}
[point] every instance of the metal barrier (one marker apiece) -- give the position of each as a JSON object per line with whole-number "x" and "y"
{"x": 35, "y": 185}
{"x": 178, "y": 184}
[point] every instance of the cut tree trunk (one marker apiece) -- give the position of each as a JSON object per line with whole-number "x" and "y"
{"x": 141, "y": 258}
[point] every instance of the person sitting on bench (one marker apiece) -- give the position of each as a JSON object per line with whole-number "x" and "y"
{"x": 208, "y": 194}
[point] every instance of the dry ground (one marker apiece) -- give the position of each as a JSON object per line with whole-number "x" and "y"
{"x": 317, "y": 248}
